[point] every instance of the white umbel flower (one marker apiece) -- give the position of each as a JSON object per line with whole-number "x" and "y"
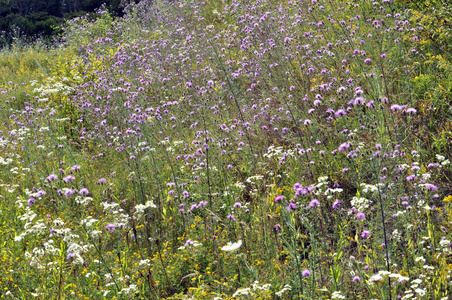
{"x": 232, "y": 246}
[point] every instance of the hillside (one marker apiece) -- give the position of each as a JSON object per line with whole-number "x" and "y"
{"x": 230, "y": 150}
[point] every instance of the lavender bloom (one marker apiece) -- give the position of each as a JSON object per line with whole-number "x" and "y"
{"x": 306, "y": 273}
{"x": 69, "y": 178}
{"x": 365, "y": 234}
{"x": 431, "y": 187}
{"x": 51, "y": 177}
{"x": 70, "y": 256}
{"x": 411, "y": 177}
{"x": 356, "y": 279}
{"x": 291, "y": 206}
{"x": 41, "y": 193}
{"x": 336, "y": 204}
{"x": 313, "y": 203}
{"x": 69, "y": 192}
{"x": 31, "y": 200}
{"x": 102, "y": 181}
{"x": 360, "y": 216}
{"x": 278, "y": 199}
{"x": 231, "y": 217}
{"x": 84, "y": 192}
{"x": 110, "y": 227}
{"x": 75, "y": 168}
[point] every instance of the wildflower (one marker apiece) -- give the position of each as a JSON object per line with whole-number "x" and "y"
{"x": 431, "y": 187}
{"x": 291, "y": 206}
{"x": 69, "y": 192}
{"x": 69, "y": 178}
{"x": 84, "y": 192}
{"x": 51, "y": 177}
{"x": 356, "y": 279}
{"x": 278, "y": 199}
{"x": 306, "y": 273}
{"x": 360, "y": 216}
{"x": 31, "y": 200}
{"x": 231, "y": 217}
{"x": 448, "y": 199}
{"x": 410, "y": 177}
{"x": 110, "y": 227}
{"x": 75, "y": 168}
{"x": 232, "y": 246}
{"x": 376, "y": 278}
{"x": 41, "y": 193}
{"x": 365, "y": 234}
{"x": 102, "y": 181}
{"x": 343, "y": 147}
{"x": 70, "y": 256}
{"x": 313, "y": 203}
{"x": 336, "y": 204}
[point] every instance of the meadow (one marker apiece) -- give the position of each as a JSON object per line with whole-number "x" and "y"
{"x": 231, "y": 150}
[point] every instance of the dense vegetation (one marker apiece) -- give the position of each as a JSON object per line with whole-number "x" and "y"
{"x": 43, "y": 18}
{"x": 231, "y": 150}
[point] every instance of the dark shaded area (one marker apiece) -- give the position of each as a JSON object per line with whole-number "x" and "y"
{"x": 30, "y": 19}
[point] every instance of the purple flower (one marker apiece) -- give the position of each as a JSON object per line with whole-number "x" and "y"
{"x": 51, "y": 177}
{"x": 70, "y": 256}
{"x": 75, "y": 168}
{"x": 360, "y": 216}
{"x": 31, "y": 200}
{"x": 411, "y": 177}
{"x": 237, "y": 204}
{"x": 306, "y": 273}
{"x": 102, "y": 181}
{"x": 202, "y": 203}
{"x": 291, "y": 206}
{"x": 343, "y": 147}
{"x": 431, "y": 187}
{"x": 69, "y": 192}
{"x": 231, "y": 217}
{"x": 313, "y": 203}
{"x": 110, "y": 227}
{"x": 356, "y": 279}
{"x": 336, "y": 204}
{"x": 69, "y": 178}
{"x": 41, "y": 193}
{"x": 278, "y": 199}
{"x": 365, "y": 234}
{"x": 84, "y": 192}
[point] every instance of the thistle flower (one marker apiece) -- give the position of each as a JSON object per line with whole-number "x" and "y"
{"x": 84, "y": 192}
{"x": 110, "y": 227}
{"x": 69, "y": 178}
{"x": 51, "y": 177}
{"x": 360, "y": 216}
{"x": 365, "y": 234}
{"x": 278, "y": 199}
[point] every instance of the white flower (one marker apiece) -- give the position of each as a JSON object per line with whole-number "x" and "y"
{"x": 245, "y": 291}
{"x": 232, "y": 246}
{"x": 376, "y": 278}
{"x": 337, "y": 295}
{"x": 421, "y": 292}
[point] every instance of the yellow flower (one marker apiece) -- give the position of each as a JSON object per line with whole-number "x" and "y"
{"x": 448, "y": 199}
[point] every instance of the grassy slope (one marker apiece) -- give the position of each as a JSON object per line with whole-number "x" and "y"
{"x": 296, "y": 128}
